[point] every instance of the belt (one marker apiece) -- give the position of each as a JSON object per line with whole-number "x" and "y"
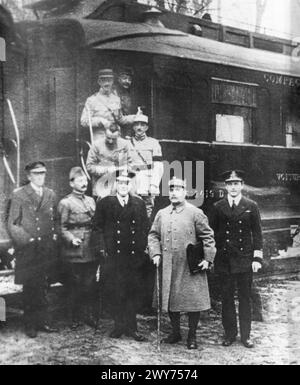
{"x": 77, "y": 226}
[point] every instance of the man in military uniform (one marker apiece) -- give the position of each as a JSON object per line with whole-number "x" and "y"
{"x": 122, "y": 219}
{"x": 76, "y": 211}
{"x": 237, "y": 225}
{"x": 105, "y": 157}
{"x": 124, "y": 90}
{"x": 147, "y": 160}
{"x": 104, "y": 108}
{"x": 32, "y": 225}
{"x": 173, "y": 229}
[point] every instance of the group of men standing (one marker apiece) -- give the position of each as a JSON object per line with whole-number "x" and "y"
{"x": 112, "y": 235}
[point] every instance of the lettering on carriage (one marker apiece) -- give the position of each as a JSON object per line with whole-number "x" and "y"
{"x": 282, "y": 80}
{"x": 2, "y": 310}
{"x": 288, "y": 177}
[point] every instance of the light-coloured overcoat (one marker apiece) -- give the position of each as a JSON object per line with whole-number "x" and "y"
{"x": 173, "y": 229}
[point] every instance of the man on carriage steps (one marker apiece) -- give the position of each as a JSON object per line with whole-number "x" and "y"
{"x": 174, "y": 228}
{"x": 104, "y": 107}
{"x": 237, "y": 225}
{"x": 32, "y": 226}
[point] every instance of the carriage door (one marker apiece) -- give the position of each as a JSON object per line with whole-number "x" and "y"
{"x": 62, "y": 138}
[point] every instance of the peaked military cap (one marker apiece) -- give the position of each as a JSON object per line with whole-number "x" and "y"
{"x": 125, "y": 71}
{"x": 233, "y": 176}
{"x": 36, "y": 167}
{"x": 124, "y": 175}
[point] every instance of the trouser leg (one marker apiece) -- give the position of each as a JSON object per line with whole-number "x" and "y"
{"x": 175, "y": 322}
{"x": 244, "y": 283}
{"x": 35, "y": 303}
{"x": 149, "y": 202}
{"x": 227, "y": 283}
{"x": 130, "y": 322}
{"x": 194, "y": 318}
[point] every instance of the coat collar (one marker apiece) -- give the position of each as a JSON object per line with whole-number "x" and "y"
{"x": 178, "y": 208}
{"x": 242, "y": 206}
{"x": 36, "y": 200}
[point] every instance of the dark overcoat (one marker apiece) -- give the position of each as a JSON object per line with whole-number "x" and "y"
{"x": 33, "y": 228}
{"x": 238, "y": 233}
{"x": 124, "y": 231}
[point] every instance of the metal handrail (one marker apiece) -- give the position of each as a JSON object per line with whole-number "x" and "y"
{"x": 17, "y": 133}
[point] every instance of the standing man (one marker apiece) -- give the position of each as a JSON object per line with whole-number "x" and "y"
{"x": 237, "y": 225}
{"x": 103, "y": 108}
{"x": 32, "y": 225}
{"x": 147, "y": 159}
{"x": 124, "y": 90}
{"x": 105, "y": 157}
{"x": 173, "y": 229}
{"x": 79, "y": 254}
{"x": 122, "y": 219}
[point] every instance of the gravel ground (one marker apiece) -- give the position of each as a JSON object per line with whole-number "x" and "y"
{"x": 277, "y": 339}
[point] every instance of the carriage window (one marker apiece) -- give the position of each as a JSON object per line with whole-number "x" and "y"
{"x": 229, "y": 128}
{"x": 234, "y": 109}
{"x": 293, "y": 134}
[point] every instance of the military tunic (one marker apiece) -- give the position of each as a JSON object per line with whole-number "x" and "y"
{"x": 102, "y": 161}
{"x": 76, "y": 213}
{"x": 173, "y": 229}
{"x": 104, "y": 110}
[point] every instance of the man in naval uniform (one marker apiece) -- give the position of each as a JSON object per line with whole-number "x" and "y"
{"x": 237, "y": 225}
{"x": 104, "y": 108}
{"x": 32, "y": 226}
{"x": 122, "y": 219}
{"x": 76, "y": 212}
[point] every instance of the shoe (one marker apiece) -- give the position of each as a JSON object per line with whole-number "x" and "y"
{"x": 116, "y": 333}
{"x": 89, "y": 321}
{"x": 136, "y": 336}
{"x": 172, "y": 339}
{"x": 48, "y": 329}
{"x": 75, "y": 325}
{"x": 192, "y": 344}
{"x": 31, "y": 332}
{"x": 248, "y": 343}
{"x": 228, "y": 341}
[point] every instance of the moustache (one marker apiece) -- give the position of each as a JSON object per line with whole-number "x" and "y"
{"x": 84, "y": 186}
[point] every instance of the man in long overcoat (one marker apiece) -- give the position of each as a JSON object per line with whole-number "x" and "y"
{"x": 237, "y": 225}
{"x": 123, "y": 221}
{"x": 32, "y": 226}
{"x": 173, "y": 229}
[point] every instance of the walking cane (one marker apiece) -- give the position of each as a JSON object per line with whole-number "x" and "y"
{"x": 158, "y": 308}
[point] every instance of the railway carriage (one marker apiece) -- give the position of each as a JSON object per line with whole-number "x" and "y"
{"x": 227, "y": 97}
